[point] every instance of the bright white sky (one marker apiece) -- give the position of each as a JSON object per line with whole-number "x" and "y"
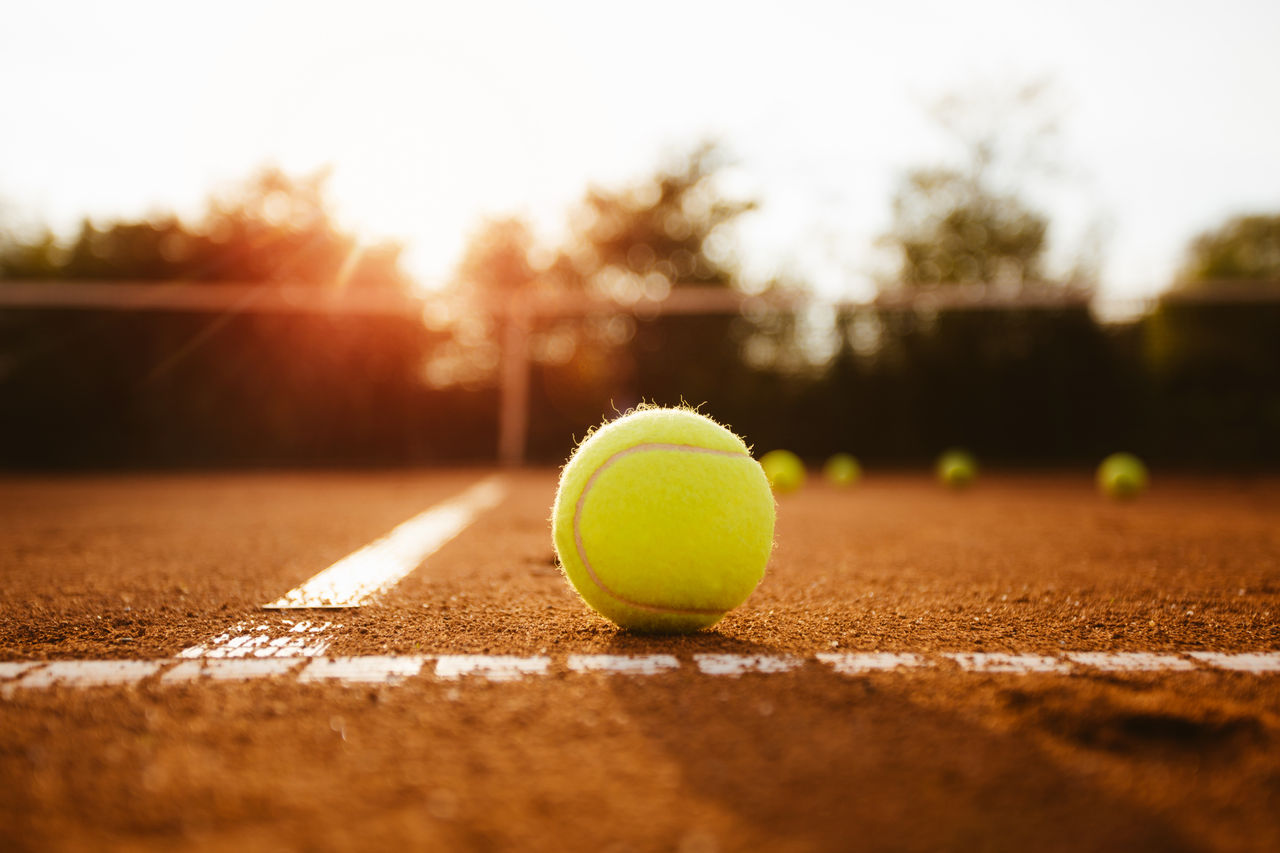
{"x": 436, "y": 115}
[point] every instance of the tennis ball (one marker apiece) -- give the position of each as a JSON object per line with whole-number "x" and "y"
{"x": 1122, "y": 475}
{"x": 784, "y": 470}
{"x": 842, "y": 469}
{"x": 957, "y": 469}
{"x": 663, "y": 522}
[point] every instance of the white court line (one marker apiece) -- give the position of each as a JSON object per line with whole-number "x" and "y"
{"x": 492, "y": 667}
{"x": 623, "y": 664}
{"x": 362, "y": 576}
{"x": 1130, "y": 661}
{"x": 10, "y": 669}
{"x": 741, "y": 664}
{"x": 1010, "y": 663}
{"x": 88, "y": 673}
{"x": 353, "y": 581}
{"x": 857, "y": 663}
{"x": 393, "y": 669}
{"x": 287, "y": 639}
{"x": 1264, "y": 662}
{"x": 370, "y": 669}
{"x": 229, "y": 669}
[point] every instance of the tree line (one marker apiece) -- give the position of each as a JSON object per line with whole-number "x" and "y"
{"x": 1190, "y": 382}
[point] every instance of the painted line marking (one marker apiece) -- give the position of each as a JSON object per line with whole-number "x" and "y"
{"x": 492, "y": 667}
{"x": 1130, "y": 661}
{"x": 88, "y": 673}
{"x": 229, "y": 669}
{"x": 734, "y": 665}
{"x": 857, "y": 663}
{"x": 353, "y": 581}
{"x": 1010, "y": 663}
{"x": 371, "y": 669}
{"x": 394, "y": 669}
{"x": 365, "y": 574}
{"x": 623, "y": 664}
{"x": 286, "y": 639}
{"x": 1262, "y": 662}
{"x": 10, "y": 669}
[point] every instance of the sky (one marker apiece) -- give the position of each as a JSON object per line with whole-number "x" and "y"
{"x": 435, "y": 116}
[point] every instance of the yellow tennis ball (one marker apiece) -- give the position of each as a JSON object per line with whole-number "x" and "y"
{"x": 663, "y": 521}
{"x": 842, "y": 469}
{"x": 784, "y": 470}
{"x": 957, "y": 469}
{"x": 1122, "y": 476}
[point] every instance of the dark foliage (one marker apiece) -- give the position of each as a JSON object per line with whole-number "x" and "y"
{"x": 1192, "y": 383}
{"x": 1245, "y": 247}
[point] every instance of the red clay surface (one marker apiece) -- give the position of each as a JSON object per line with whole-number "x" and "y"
{"x": 113, "y": 567}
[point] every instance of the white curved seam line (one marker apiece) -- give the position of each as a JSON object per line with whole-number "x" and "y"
{"x": 577, "y": 528}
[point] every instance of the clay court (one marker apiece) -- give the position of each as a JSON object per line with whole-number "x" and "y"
{"x": 356, "y": 492}
{"x": 1023, "y": 665}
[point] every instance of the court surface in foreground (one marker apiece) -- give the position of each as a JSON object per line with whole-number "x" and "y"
{"x": 1025, "y": 665}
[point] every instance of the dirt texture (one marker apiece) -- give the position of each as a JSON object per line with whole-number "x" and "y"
{"x": 116, "y": 567}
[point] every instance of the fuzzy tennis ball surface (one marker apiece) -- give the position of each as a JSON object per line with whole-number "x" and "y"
{"x": 1122, "y": 475}
{"x": 842, "y": 469}
{"x": 784, "y": 470}
{"x": 663, "y": 521}
{"x": 957, "y": 469}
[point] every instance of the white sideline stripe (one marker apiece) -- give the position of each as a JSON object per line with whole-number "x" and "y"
{"x": 1264, "y": 662}
{"x": 359, "y": 577}
{"x": 623, "y": 664}
{"x": 856, "y": 663}
{"x": 353, "y": 581}
{"x": 492, "y": 667}
{"x": 392, "y": 669}
{"x": 371, "y": 669}
{"x": 88, "y": 673}
{"x": 9, "y": 669}
{"x": 244, "y": 640}
{"x": 734, "y": 665}
{"x": 1130, "y": 661}
{"x": 1001, "y": 662}
{"x": 229, "y": 669}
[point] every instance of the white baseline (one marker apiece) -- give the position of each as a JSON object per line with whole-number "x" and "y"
{"x": 396, "y": 669}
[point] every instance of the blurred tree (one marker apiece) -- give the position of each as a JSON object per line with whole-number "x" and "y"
{"x": 162, "y": 249}
{"x": 967, "y": 224}
{"x": 945, "y": 373}
{"x": 496, "y": 261}
{"x": 952, "y": 229}
{"x": 25, "y": 251}
{"x": 666, "y": 230}
{"x": 636, "y": 242}
{"x": 1215, "y": 366}
{"x": 189, "y": 386}
{"x": 35, "y": 257}
{"x": 272, "y": 228}
{"x": 278, "y": 228}
{"x": 1245, "y": 247}
{"x": 671, "y": 229}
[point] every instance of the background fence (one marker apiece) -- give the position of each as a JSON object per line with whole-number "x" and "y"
{"x": 166, "y": 374}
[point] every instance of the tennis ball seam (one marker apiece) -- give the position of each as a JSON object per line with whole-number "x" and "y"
{"x": 577, "y": 527}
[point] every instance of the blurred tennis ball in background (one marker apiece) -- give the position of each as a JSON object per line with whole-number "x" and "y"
{"x": 784, "y": 470}
{"x": 842, "y": 469}
{"x": 663, "y": 521}
{"x": 1122, "y": 476}
{"x": 957, "y": 469}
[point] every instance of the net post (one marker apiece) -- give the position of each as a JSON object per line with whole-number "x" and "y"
{"x": 513, "y": 412}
